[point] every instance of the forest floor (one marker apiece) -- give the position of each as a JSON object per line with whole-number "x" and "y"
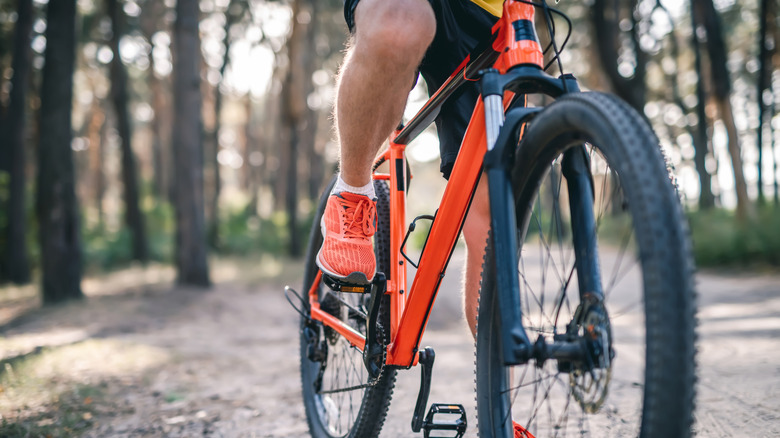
{"x": 142, "y": 358}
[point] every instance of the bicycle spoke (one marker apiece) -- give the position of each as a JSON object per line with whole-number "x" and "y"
{"x": 616, "y": 268}
{"x": 526, "y": 384}
{"x": 544, "y": 398}
{"x": 557, "y": 212}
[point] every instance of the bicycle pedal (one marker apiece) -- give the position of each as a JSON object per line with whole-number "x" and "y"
{"x": 337, "y": 285}
{"x": 454, "y": 420}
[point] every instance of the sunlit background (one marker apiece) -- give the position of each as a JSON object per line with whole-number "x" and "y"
{"x": 147, "y": 352}
{"x": 642, "y": 50}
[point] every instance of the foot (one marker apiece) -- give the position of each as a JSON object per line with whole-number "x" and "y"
{"x": 347, "y": 226}
{"x": 520, "y": 431}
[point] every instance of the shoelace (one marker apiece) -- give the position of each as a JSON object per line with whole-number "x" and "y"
{"x": 359, "y": 217}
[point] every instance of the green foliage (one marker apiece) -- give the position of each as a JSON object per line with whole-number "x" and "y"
{"x": 241, "y": 232}
{"x": 104, "y": 249}
{"x": 108, "y": 249}
{"x": 720, "y": 240}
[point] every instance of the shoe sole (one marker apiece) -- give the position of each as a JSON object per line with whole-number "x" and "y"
{"x": 356, "y": 278}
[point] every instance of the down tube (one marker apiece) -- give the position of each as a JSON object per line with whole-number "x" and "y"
{"x": 441, "y": 241}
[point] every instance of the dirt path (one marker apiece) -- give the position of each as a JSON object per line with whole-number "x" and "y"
{"x": 172, "y": 362}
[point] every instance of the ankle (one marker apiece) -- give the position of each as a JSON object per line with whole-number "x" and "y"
{"x": 366, "y": 190}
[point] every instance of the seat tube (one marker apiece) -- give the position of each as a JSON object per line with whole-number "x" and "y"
{"x": 397, "y": 284}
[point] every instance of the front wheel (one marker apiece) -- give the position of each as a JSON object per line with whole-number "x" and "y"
{"x": 642, "y": 381}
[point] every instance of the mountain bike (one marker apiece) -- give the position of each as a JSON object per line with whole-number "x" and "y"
{"x": 586, "y": 320}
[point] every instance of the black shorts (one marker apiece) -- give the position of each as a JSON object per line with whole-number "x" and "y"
{"x": 460, "y": 27}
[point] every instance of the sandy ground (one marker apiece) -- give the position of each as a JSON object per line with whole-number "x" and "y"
{"x": 175, "y": 362}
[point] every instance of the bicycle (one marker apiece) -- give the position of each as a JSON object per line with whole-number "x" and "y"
{"x": 558, "y": 176}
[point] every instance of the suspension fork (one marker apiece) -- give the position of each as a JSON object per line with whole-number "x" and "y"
{"x": 579, "y": 181}
{"x": 499, "y": 129}
{"x": 502, "y": 133}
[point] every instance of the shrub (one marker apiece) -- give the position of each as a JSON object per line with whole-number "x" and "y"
{"x": 720, "y": 240}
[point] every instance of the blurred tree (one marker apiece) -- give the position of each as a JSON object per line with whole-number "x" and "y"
{"x": 191, "y": 261}
{"x": 295, "y": 111}
{"x": 133, "y": 217}
{"x": 615, "y": 48}
{"x": 17, "y": 265}
{"x": 57, "y": 207}
{"x": 152, "y": 22}
{"x": 7, "y": 8}
{"x": 233, "y": 13}
{"x": 707, "y": 16}
{"x": 775, "y": 31}
{"x": 256, "y": 159}
{"x": 767, "y": 47}
{"x": 700, "y": 138}
{"x": 671, "y": 91}
{"x": 96, "y": 133}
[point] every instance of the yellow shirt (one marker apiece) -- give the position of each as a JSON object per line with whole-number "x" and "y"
{"x": 493, "y": 6}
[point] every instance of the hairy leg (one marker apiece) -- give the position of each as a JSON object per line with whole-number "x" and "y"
{"x": 390, "y": 40}
{"x": 475, "y": 232}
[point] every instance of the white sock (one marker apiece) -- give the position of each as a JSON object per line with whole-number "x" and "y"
{"x": 366, "y": 190}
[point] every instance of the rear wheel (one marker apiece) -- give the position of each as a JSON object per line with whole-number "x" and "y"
{"x": 332, "y": 372}
{"x": 644, "y": 271}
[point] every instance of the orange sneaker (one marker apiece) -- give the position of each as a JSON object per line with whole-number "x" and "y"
{"x": 347, "y": 226}
{"x": 520, "y": 431}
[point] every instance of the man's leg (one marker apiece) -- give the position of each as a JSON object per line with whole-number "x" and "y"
{"x": 390, "y": 40}
{"x": 475, "y": 232}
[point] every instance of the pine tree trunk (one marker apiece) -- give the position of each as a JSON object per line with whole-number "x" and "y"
{"x": 726, "y": 114}
{"x": 605, "y": 17}
{"x": 161, "y": 189}
{"x": 316, "y": 164}
{"x": 18, "y": 268}
{"x": 775, "y": 32}
{"x": 251, "y": 144}
{"x": 295, "y": 112}
{"x": 95, "y": 134}
{"x": 767, "y": 48}
{"x": 213, "y": 227}
{"x": 150, "y": 22}
{"x": 133, "y": 217}
{"x": 56, "y": 198}
{"x": 216, "y": 183}
{"x": 100, "y": 175}
{"x": 700, "y": 143}
{"x": 191, "y": 260}
{"x": 721, "y": 85}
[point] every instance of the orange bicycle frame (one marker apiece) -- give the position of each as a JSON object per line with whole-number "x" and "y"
{"x": 410, "y": 307}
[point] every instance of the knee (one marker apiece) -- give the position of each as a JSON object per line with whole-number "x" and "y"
{"x": 395, "y": 30}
